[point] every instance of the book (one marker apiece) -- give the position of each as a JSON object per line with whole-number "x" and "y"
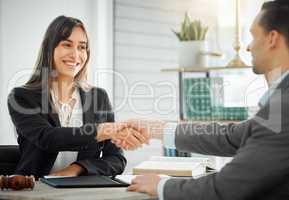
{"x": 173, "y": 166}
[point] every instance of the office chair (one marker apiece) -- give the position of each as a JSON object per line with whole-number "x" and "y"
{"x": 9, "y": 157}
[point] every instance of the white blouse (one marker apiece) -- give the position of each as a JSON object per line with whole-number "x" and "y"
{"x": 70, "y": 115}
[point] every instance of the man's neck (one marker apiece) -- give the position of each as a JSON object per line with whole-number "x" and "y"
{"x": 275, "y": 74}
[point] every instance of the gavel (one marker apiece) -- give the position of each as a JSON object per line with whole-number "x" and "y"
{"x": 17, "y": 182}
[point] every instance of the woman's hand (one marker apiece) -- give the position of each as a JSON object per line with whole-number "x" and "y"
{"x": 71, "y": 170}
{"x": 106, "y": 131}
{"x": 129, "y": 139}
{"x": 127, "y": 135}
{"x": 141, "y": 131}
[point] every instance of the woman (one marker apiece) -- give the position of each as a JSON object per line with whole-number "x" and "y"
{"x": 61, "y": 122}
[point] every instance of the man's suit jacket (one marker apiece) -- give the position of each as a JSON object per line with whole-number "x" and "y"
{"x": 260, "y": 147}
{"x": 41, "y": 137}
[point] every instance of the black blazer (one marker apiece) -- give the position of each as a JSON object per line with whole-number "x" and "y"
{"x": 41, "y": 137}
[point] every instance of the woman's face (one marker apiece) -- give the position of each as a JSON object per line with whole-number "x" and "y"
{"x": 70, "y": 55}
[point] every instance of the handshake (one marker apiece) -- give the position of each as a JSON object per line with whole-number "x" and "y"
{"x": 131, "y": 134}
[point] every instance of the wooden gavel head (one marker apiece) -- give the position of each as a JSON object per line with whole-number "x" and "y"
{"x": 17, "y": 182}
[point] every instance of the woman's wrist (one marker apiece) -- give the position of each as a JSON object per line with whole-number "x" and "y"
{"x": 104, "y": 131}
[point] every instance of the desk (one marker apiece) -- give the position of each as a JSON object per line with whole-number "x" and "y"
{"x": 42, "y": 191}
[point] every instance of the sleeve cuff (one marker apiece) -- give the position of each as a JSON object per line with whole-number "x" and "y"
{"x": 169, "y": 135}
{"x": 160, "y": 188}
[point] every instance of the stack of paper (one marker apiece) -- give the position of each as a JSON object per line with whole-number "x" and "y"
{"x": 127, "y": 178}
{"x": 173, "y": 166}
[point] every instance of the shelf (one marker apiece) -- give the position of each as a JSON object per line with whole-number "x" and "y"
{"x": 202, "y": 69}
{"x": 181, "y": 70}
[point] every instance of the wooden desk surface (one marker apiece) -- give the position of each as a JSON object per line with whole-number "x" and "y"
{"x": 42, "y": 191}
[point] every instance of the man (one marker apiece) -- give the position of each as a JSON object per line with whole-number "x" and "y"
{"x": 260, "y": 145}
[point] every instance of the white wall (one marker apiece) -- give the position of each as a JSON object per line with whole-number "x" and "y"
{"x": 23, "y": 24}
{"x": 102, "y": 44}
{"x": 145, "y": 44}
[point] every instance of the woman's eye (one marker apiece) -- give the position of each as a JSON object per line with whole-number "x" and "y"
{"x": 82, "y": 47}
{"x": 66, "y": 45}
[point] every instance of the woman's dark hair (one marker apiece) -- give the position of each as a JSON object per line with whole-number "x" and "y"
{"x": 59, "y": 29}
{"x": 275, "y": 17}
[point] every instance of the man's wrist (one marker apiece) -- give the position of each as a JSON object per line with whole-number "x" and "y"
{"x": 159, "y": 132}
{"x": 160, "y": 188}
{"x": 169, "y": 135}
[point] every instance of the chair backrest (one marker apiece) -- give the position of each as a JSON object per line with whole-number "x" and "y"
{"x": 9, "y": 157}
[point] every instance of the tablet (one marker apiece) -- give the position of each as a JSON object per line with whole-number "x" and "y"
{"x": 84, "y": 182}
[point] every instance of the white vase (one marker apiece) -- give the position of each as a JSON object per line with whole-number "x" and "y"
{"x": 190, "y": 54}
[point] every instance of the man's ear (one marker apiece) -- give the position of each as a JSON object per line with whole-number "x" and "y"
{"x": 273, "y": 39}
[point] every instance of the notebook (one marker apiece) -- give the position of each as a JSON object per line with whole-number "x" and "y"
{"x": 84, "y": 182}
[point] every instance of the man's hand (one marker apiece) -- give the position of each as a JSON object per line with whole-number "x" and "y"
{"x": 71, "y": 170}
{"x": 129, "y": 139}
{"x": 145, "y": 128}
{"x": 150, "y": 128}
{"x": 131, "y": 134}
{"x": 122, "y": 134}
{"x": 145, "y": 184}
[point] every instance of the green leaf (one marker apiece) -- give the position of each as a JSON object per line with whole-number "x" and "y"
{"x": 191, "y": 30}
{"x": 205, "y": 31}
{"x": 178, "y": 35}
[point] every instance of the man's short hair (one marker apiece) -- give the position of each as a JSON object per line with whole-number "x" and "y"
{"x": 275, "y": 17}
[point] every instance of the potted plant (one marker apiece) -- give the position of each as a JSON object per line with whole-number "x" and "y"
{"x": 192, "y": 43}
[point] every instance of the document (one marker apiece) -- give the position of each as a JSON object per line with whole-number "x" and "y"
{"x": 127, "y": 178}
